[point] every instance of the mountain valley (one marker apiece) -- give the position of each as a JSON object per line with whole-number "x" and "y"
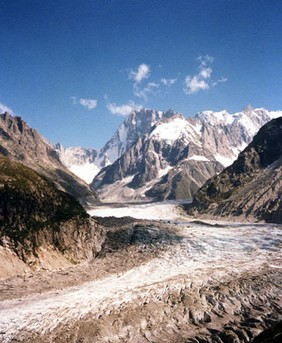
{"x": 143, "y": 271}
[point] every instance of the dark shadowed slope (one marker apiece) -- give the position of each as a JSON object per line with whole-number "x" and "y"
{"x": 251, "y": 187}
{"x": 35, "y": 217}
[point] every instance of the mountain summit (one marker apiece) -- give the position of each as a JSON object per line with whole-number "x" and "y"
{"x": 86, "y": 163}
{"x": 137, "y": 124}
{"x": 177, "y": 155}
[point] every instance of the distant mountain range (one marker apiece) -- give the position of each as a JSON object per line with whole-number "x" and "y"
{"x": 157, "y": 155}
{"x": 153, "y": 155}
{"x": 86, "y": 163}
{"x": 251, "y": 188}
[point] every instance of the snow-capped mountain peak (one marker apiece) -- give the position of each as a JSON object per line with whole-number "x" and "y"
{"x": 175, "y": 128}
{"x": 137, "y": 124}
{"x": 178, "y": 155}
{"x": 215, "y": 118}
{"x": 169, "y": 131}
{"x": 86, "y": 163}
{"x": 79, "y": 161}
{"x": 168, "y": 142}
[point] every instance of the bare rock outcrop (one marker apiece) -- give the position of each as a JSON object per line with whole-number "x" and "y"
{"x": 251, "y": 188}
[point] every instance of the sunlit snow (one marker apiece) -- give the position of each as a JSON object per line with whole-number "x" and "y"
{"x": 170, "y": 131}
{"x": 275, "y": 114}
{"x": 166, "y": 210}
{"x": 198, "y": 158}
{"x": 86, "y": 171}
{"x": 225, "y": 161}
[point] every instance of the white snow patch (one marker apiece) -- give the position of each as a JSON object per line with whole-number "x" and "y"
{"x": 225, "y": 161}
{"x": 198, "y": 128}
{"x": 86, "y": 171}
{"x": 216, "y": 118}
{"x": 236, "y": 150}
{"x": 122, "y": 131}
{"x": 164, "y": 171}
{"x": 170, "y": 131}
{"x": 249, "y": 124}
{"x": 224, "y": 117}
{"x": 166, "y": 210}
{"x": 275, "y": 114}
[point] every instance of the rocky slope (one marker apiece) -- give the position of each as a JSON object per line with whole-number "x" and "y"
{"x": 179, "y": 155}
{"x": 252, "y": 186}
{"x": 21, "y": 143}
{"x": 136, "y": 125}
{"x": 40, "y": 225}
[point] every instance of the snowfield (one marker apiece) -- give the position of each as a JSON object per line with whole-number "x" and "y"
{"x": 204, "y": 252}
{"x": 86, "y": 171}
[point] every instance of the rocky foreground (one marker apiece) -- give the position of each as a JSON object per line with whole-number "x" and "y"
{"x": 154, "y": 282}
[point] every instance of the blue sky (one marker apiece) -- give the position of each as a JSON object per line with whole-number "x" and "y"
{"x": 73, "y": 68}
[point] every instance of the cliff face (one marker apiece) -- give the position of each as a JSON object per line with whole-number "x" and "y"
{"x": 21, "y": 143}
{"x": 158, "y": 164}
{"x": 36, "y": 217}
{"x": 252, "y": 186}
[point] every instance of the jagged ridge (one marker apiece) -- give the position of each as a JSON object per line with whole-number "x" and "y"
{"x": 86, "y": 163}
{"x": 178, "y": 155}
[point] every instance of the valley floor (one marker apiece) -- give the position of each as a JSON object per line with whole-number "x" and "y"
{"x": 169, "y": 280}
{"x": 164, "y": 210}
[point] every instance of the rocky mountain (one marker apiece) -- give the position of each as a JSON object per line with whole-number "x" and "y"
{"x": 39, "y": 224}
{"x": 252, "y": 186}
{"x": 21, "y": 143}
{"x": 137, "y": 124}
{"x": 178, "y": 155}
{"x": 80, "y": 161}
{"x": 86, "y": 163}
